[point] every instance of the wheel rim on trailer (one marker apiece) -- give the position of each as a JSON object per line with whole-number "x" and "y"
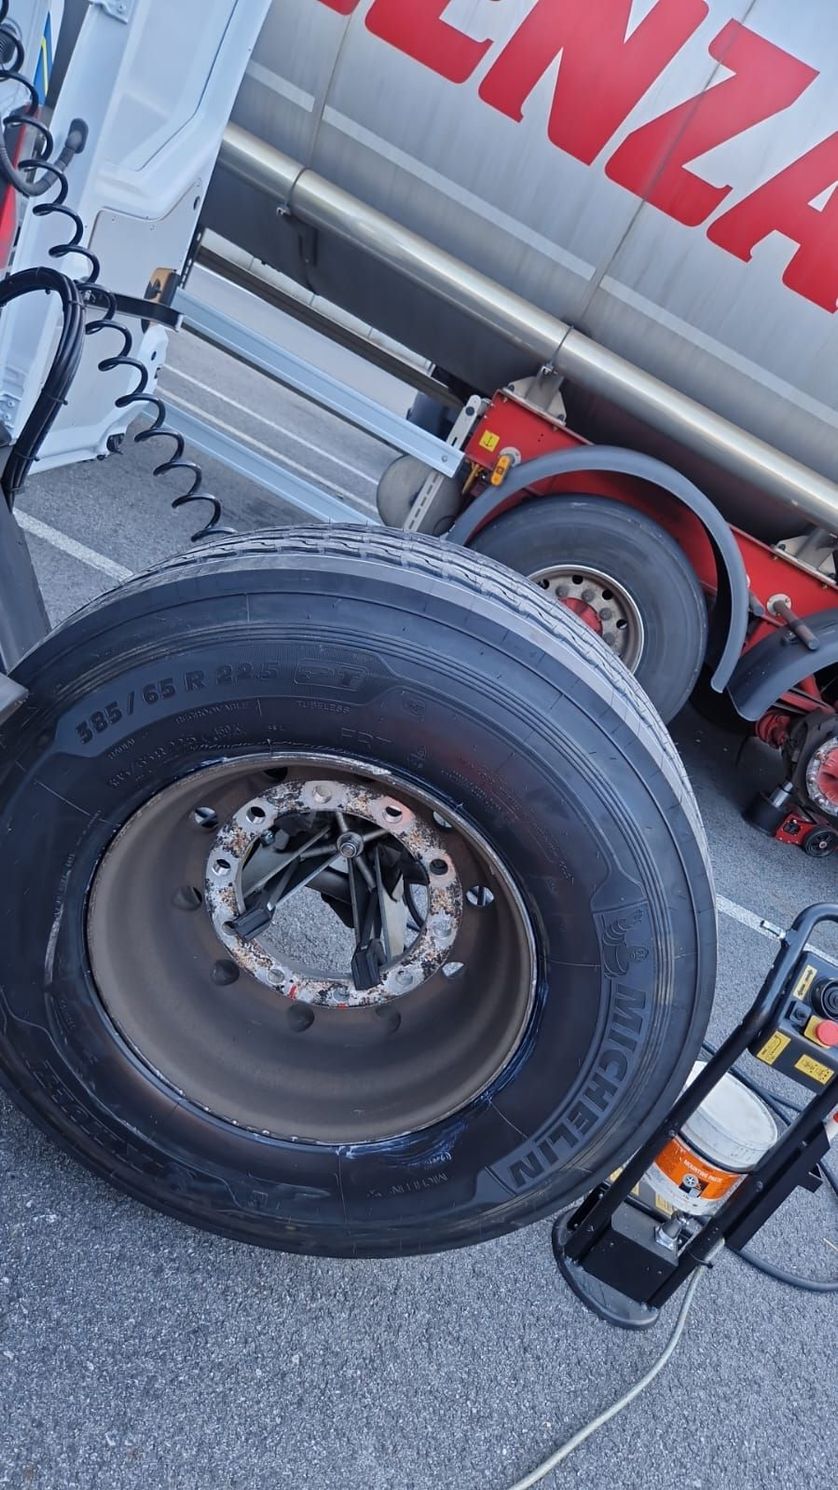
{"x": 602, "y": 603}
{"x": 211, "y": 980}
{"x": 822, "y": 776}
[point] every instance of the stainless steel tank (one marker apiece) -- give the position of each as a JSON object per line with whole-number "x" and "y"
{"x": 653, "y": 173}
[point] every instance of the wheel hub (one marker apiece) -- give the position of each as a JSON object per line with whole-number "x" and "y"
{"x": 213, "y": 972}
{"x": 602, "y": 604}
{"x": 362, "y": 848}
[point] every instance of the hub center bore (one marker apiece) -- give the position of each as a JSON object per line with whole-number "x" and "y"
{"x": 382, "y": 866}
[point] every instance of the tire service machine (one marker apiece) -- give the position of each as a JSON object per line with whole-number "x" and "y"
{"x": 718, "y": 1167}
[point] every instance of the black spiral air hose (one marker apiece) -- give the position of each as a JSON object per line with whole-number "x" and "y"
{"x": 33, "y": 178}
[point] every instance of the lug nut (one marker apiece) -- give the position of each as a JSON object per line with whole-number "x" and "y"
{"x": 350, "y": 845}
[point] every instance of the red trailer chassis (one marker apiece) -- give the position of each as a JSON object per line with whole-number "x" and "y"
{"x": 785, "y": 681}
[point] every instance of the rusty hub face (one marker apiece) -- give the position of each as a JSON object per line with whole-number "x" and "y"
{"x": 311, "y": 948}
{"x": 348, "y": 827}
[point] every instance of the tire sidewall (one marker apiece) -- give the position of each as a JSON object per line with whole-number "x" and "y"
{"x": 605, "y": 929}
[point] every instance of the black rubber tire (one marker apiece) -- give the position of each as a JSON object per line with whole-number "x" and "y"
{"x": 436, "y": 664}
{"x": 639, "y": 555}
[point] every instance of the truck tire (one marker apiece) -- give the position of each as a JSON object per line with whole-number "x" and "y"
{"x": 623, "y": 575}
{"x": 560, "y": 981}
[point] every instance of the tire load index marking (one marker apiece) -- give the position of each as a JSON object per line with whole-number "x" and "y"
{"x": 139, "y": 697}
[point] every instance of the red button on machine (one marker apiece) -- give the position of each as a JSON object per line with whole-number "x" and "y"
{"x": 827, "y": 1032}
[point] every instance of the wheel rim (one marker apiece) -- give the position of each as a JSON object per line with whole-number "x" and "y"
{"x": 311, "y": 948}
{"x": 822, "y": 776}
{"x": 602, "y": 603}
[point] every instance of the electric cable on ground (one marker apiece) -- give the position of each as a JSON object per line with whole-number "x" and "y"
{"x": 583, "y": 1434}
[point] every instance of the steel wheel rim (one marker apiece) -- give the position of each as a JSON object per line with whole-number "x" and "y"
{"x": 295, "y": 1062}
{"x": 822, "y": 776}
{"x": 618, "y": 618}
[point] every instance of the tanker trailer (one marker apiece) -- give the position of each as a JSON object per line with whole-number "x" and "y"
{"x": 614, "y": 223}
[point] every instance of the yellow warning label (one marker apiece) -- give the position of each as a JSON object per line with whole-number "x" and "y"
{"x": 804, "y": 982}
{"x": 816, "y": 1069}
{"x": 773, "y": 1048}
{"x": 489, "y": 440}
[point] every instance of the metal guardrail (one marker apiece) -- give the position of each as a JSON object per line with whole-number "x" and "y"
{"x": 315, "y": 501}
{"x": 329, "y": 393}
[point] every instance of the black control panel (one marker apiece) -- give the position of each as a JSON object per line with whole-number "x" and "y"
{"x": 804, "y": 1042}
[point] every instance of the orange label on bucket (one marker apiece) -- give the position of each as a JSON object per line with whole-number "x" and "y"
{"x": 697, "y": 1178}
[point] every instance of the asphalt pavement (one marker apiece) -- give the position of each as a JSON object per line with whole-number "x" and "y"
{"x": 137, "y": 1354}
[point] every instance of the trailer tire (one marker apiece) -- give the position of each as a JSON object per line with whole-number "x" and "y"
{"x": 423, "y": 666}
{"x": 666, "y": 613}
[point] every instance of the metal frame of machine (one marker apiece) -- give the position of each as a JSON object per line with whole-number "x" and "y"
{"x": 623, "y": 1257}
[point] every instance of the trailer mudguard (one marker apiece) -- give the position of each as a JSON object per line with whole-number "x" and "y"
{"x": 730, "y": 619}
{"x": 780, "y": 662}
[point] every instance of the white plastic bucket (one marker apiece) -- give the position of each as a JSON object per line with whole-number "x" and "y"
{"x": 726, "y": 1137}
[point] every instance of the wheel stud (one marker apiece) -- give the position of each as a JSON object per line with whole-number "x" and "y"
{"x": 187, "y": 898}
{"x": 225, "y": 972}
{"x": 300, "y": 1017}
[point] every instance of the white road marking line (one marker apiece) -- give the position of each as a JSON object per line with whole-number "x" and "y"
{"x": 748, "y": 918}
{"x": 79, "y": 551}
{"x": 281, "y": 460}
{"x": 279, "y": 429}
{"x": 758, "y": 923}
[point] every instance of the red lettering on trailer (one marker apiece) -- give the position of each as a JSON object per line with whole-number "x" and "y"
{"x": 784, "y": 205}
{"x": 652, "y": 161}
{"x": 603, "y": 74}
{"x": 417, "y": 28}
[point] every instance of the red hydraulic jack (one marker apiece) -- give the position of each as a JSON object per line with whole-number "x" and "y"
{"x": 717, "y": 1167}
{"x": 780, "y": 814}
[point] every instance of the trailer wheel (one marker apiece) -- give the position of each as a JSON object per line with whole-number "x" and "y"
{"x": 396, "y": 733}
{"x": 621, "y": 574}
